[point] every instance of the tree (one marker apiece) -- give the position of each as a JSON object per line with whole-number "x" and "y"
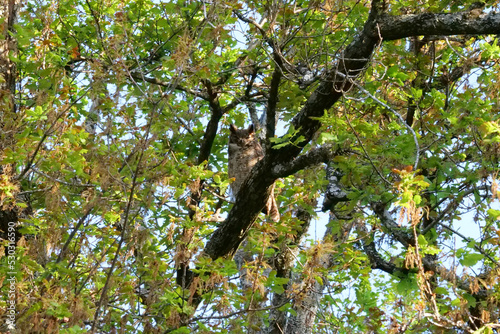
{"x": 384, "y": 116}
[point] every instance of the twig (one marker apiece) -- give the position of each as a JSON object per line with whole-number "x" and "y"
{"x": 366, "y": 153}
{"x": 61, "y": 181}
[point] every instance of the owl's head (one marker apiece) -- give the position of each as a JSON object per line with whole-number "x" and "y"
{"x": 241, "y": 137}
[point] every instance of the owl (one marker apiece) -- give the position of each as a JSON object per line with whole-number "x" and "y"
{"x": 244, "y": 152}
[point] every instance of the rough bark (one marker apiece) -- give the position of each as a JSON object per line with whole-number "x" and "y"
{"x": 427, "y": 24}
{"x": 9, "y": 214}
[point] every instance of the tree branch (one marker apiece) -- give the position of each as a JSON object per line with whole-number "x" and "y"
{"x": 212, "y": 126}
{"x": 311, "y": 158}
{"x": 250, "y": 201}
{"x": 377, "y": 262}
{"x": 351, "y": 64}
{"x": 255, "y": 190}
{"x": 462, "y": 23}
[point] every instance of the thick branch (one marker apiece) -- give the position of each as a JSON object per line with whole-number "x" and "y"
{"x": 306, "y": 307}
{"x": 311, "y": 158}
{"x": 251, "y": 199}
{"x": 8, "y": 48}
{"x": 184, "y": 276}
{"x": 463, "y": 23}
{"x": 213, "y": 124}
{"x": 273, "y": 100}
{"x": 334, "y": 192}
{"x": 282, "y": 262}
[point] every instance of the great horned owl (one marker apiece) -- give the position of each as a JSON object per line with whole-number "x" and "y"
{"x": 244, "y": 152}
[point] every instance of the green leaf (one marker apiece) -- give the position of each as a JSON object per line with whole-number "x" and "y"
{"x": 325, "y": 137}
{"x": 406, "y": 285}
{"x": 417, "y": 199}
{"x": 441, "y": 290}
{"x": 483, "y": 330}
{"x": 470, "y": 299}
{"x": 422, "y": 242}
{"x": 494, "y": 214}
{"x": 470, "y": 260}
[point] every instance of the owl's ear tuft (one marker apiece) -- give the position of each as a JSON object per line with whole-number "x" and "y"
{"x": 232, "y": 128}
{"x": 250, "y": 129}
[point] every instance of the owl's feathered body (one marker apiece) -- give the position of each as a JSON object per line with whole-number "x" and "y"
{"x": 244, "y": 153}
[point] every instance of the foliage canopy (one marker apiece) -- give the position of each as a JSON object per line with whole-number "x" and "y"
{"x": 379, "y": 119}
